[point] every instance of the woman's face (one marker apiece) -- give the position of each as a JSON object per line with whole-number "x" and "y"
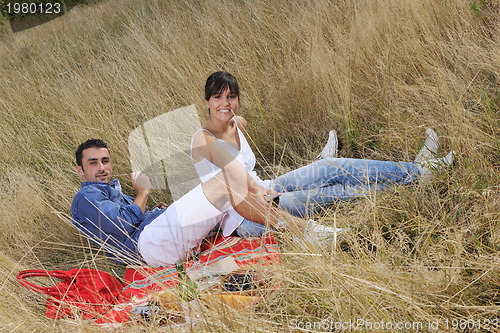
{"x": 223, "y": 106}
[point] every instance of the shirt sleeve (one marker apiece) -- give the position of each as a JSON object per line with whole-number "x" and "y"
{"x": 97, "y": 213}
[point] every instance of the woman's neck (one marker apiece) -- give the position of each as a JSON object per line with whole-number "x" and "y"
{"x": 218, "y": 127}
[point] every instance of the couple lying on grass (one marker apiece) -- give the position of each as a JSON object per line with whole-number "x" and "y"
{"x": 231, "y": 194}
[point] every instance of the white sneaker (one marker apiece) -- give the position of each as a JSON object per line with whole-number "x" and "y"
{"x": 430, "y": 147}
{"x": 320, "y": 234}
{"x": 331, "y": 148}
{"x": 431, "y": 165}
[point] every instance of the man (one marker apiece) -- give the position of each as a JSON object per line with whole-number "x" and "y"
{"x": 102, "y": 212}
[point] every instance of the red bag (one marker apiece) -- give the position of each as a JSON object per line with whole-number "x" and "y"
{"x": 82, "y": 292}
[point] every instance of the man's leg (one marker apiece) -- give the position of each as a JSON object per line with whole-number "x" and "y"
{"x": 315, "y": 186}
{"x": 305, "y": 203}
{"x": 251, "y": 229}
{"x": 346, "y": 171}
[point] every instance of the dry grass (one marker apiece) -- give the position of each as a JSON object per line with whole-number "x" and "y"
{"x": 379, "y": 72}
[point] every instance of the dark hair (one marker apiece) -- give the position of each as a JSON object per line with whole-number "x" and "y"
{"x": 218, "y": 82}
{"x": 97, "y": 143}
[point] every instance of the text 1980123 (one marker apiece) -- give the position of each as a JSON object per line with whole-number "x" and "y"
{"x": 32, "y": 8}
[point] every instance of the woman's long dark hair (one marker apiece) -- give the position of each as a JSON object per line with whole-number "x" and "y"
{"x": 218, "y": 82}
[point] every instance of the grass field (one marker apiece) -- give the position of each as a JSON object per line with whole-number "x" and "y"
{"x": 378, "y": 71}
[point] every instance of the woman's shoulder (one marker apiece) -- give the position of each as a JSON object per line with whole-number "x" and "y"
{"x": 241, "y": 122}
{"x": 203, "y": 136}
{"x": 200, "y": 144}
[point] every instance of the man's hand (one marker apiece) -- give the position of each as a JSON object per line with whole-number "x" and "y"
{"x": 161, "y": 205}
{"x": 140, "y": 182}
{"x": 142, "y": 185}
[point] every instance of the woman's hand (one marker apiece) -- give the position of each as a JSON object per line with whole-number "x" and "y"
{"x": 264, "y": 196}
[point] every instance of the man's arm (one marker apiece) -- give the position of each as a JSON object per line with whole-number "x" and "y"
{"x": 94, "y": 212}
{"x": 142, "y": 187}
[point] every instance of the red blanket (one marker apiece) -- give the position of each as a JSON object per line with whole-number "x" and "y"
{"x": 142, "y": 282}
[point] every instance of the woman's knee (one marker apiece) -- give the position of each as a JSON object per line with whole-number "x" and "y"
{"x": 216, "y": 193}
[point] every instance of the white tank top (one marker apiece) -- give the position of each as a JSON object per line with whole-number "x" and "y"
{"x": 207, "y": 170}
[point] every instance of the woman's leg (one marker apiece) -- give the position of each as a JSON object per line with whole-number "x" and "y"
{"x": 346, "y": 171}
{"x": 223, "y": 197}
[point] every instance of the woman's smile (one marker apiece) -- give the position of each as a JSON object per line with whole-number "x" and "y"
{"x": 223, "y": 104}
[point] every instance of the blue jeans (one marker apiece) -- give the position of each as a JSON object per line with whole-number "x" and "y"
{"x": 310, "y": 188}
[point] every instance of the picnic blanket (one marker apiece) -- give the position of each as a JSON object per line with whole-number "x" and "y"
{"x": 142, "y": 283}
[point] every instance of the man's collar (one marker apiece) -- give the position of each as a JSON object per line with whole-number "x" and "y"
{"x": 114, "y": 183}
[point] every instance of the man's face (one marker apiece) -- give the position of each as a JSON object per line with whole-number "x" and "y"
{"x": 96, "y": 165}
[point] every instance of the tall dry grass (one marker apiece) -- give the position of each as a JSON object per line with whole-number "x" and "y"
{"x": 379, "y": 72}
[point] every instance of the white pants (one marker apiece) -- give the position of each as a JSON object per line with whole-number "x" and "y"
{"x": 182, "y": 227}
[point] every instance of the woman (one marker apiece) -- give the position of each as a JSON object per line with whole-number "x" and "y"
{"x": 303, "y": 191}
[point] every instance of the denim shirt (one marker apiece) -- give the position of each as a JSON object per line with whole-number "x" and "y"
{"x": 110, "y": 219}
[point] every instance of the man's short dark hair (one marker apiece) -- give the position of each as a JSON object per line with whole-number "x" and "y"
{"x": 90, "y": 143}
